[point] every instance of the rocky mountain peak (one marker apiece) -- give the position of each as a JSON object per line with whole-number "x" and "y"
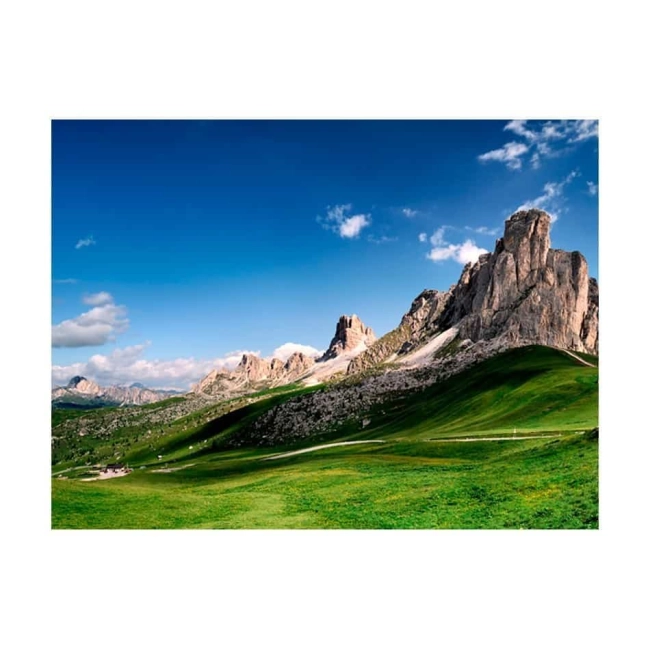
{"x": 525, "y": 292}
{"x": 350, "y": 333}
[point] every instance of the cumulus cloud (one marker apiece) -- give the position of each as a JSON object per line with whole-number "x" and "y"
{"x": 352, "y": 226}
{"x": 96, "y": 299}
{"x": 408, "y": 213}
{"x": 127, "y": 365}
{"x": 94, "y": 327}
{"x": 287, "y": 349}
{"x": 89, "y": 241}
{"x": 592, "y": 188}
{"x": 541, "y": 140}
{"x": 422, "y": 237}
{"x": 443, "y": 250}
{"x": 510, "y": 154}
{"x": 463, "y": 253}
{"x": 552, "y": 199}
{"x": 345, "y": 225}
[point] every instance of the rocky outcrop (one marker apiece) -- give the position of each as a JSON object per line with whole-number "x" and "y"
{"x": 252, "y": 374}
{"x": 523, "y": 293}
{"x": 350, "y": 334}
{"x": 298, "y": 364}
{"x": 527, "y": 292}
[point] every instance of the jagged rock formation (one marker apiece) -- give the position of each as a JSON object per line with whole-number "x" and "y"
{"x": 524, "y": 292}
{"x": 350, "y": 334}
{"x": 82, "y": 391}
{"x": 254, "y": 373}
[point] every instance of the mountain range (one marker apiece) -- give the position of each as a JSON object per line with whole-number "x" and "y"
{"x": 523, "y": 293}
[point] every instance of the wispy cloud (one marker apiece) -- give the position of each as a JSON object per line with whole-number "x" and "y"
{"x": 409, "y": 213}
{"x": 89, "y": 241}
{"x": 383, "y": 239}
{"x": 510, "y": 154}
{"x": 442, "y": 250}
{"x": 484, "y": 230}
{"x": 438, "y": 237}
{"x": 552, "y": 199}
{"x": 96, "y": 299}
{"x": 592, "y": 188}
{"x": 345, "y": 225}
{"x": 94, "y": 327}
{"x": 65, "y": 281}
{"x": 541, "y": 140}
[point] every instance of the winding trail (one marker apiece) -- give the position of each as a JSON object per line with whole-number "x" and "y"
{"x": 308, "y": 449}
{"x": 486, "y": 439}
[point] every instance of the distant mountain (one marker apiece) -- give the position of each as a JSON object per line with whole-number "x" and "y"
{"x": 83, "y": 392}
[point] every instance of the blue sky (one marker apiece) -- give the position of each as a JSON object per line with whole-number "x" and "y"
{"x": 178, "y": 244}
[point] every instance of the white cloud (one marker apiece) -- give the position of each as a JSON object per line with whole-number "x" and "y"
{"x": 519, "y": 127}
{"x": 592, "y": 188}
{"x": 352, "y": 226}
{"x": 89, "y": 241}
{"x": 463, "y": 253}
{"x": 442, "y": 250}
{"x": 552, "y": 199}
{"x": 287, "y": 349}
{"x": 126, "y": 365}
{"x": 345, "y": 225}
{"x": 422, "y": 237}
{"x": 583, "y": 130}
{"x": 65, "y": 281}
{"x": 96, "y": 299}
{"x": 510, "y": 154}
{"x": 541, "y": 139}
{"x": 408, "y": 213}
{"x": 94, "y": 327}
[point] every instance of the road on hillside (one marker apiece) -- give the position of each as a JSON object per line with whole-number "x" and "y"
{"x": 308, "y": 449}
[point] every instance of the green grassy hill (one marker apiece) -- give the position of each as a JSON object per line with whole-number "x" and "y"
{"x": 416, "y": 478}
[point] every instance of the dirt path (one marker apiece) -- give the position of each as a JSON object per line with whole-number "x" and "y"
{"x": 308, "y": 449}
{"x": 169, "y": 470}
{"x": 485, "y": 439}
{"x": 577, "y": 358}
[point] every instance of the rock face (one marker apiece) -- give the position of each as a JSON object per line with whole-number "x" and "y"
{"x": 350, "y": 333}
{"x": 523, "y": 293}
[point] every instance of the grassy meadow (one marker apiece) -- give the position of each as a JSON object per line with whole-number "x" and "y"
{"x": 423, "y": 475}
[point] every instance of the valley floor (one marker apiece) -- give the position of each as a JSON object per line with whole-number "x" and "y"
{"x": 520, "y": 484}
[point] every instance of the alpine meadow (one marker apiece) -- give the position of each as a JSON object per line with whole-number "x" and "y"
{"x": 233, "y": 345}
